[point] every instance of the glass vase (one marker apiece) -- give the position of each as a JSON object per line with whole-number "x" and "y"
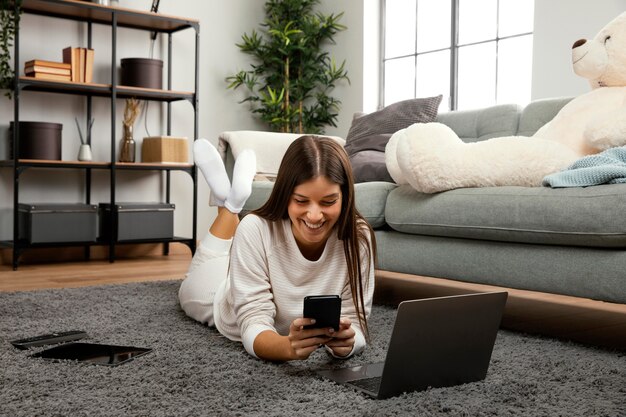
{"x": 127, "y": 147}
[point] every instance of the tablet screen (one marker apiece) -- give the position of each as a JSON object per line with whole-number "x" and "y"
{"x": 110, "y": 355}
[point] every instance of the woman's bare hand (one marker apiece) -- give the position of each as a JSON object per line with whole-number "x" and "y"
{"x": 306, "y": 341}
{"x": 342, "y": 341}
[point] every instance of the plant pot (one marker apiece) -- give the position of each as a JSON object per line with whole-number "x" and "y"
{"x": 142, "y": 72}
{"x": 38, "y": 140}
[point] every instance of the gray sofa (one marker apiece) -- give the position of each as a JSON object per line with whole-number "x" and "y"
{"x": 568, "y": 242}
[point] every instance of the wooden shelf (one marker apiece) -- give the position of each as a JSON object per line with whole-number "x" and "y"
{"x": 102, "y": 90}
{"x": 85, "y": 11}
{"x": 45, "y": 163}
{"x": 88, "y": 13}
{"x": 48, "y": 163}
{"x": 175, "y": 239}
{"x": 154, "y": 165}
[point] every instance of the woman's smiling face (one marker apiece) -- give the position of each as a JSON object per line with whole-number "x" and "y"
{"x": 314, "y": 208}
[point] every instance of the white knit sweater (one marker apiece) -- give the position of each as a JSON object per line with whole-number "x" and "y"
{"x": 269, "y": 278}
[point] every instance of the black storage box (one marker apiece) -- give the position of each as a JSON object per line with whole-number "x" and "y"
{"x": 142, "y": 72}
{"x": 49, "y": 223}
{"x": 138, "y": 221}
{"x": 38, "y": 140}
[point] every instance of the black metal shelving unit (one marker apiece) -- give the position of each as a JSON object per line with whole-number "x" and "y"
{"x": 115, "y": 17}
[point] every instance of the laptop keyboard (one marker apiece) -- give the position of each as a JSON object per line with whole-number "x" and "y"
{"x": 369, "y": 384}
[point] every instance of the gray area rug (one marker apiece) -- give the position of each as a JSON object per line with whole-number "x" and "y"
{"x": 194, "y": 371}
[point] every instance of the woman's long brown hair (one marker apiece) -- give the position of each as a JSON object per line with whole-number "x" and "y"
{"x": 309, "y": 157}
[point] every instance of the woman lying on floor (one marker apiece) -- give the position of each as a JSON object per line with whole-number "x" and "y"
{"x": 249, "y": 278}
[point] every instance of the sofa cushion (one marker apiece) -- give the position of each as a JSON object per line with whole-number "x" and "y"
{"x": 370, "y": 199}
{"x": 577, "y": 271}
{"x": 476, "y": 125}
{"x": 571, "y": 217}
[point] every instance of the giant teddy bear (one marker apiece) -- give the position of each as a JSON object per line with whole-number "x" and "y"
{"x": 431, "y": 158}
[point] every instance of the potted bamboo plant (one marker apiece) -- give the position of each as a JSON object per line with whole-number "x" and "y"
{"x": 290, "y": 83}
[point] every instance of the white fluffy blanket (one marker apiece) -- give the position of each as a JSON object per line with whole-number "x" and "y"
{"x": 268, "y": 146}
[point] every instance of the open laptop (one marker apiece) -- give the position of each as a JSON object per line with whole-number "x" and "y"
{"x": 436, "y": 342}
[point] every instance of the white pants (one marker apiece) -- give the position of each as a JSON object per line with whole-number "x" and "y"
{"x": 207, "y": 271}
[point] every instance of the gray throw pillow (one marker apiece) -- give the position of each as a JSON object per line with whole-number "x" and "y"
{"x": 394, "y": 117}
{"x": 368, "y": 143}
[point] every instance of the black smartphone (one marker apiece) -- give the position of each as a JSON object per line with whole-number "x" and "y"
{"x": 325, "y": 309}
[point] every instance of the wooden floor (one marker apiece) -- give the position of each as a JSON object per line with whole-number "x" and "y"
{"x": 94, "y": 272}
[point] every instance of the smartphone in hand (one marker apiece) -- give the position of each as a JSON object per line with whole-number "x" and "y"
{"x": 325, "y": 309}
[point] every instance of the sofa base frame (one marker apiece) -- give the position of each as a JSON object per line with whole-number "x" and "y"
{"x": 576, "y": 319}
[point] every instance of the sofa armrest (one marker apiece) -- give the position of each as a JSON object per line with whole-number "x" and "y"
{"x": 268, "y": 146}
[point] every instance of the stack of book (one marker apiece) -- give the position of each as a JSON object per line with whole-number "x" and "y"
{"x": 81, "y": 61}
{"x": 48, "y": 70}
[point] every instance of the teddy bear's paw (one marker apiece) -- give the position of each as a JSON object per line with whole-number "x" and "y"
{"x": 391, "y": 158}
{"x": 432, "y": 141}
{"x": 426, "y": 152}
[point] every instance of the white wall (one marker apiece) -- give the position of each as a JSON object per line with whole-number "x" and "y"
{"x": 372, "y": 65}
{"x": 349, "y": 47}
{"x": 558, "y": 24}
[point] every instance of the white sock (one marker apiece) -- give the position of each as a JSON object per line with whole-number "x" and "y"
{"x": 211, "y": 165}
{"x": 243, "y": 175}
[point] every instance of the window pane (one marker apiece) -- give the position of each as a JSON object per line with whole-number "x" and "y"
{"x": 515, "y": 58}
{"x": 477, "y": 20}
{"x": 477, "y": 76}
{"x": 433, "y": 76}
{"x": 433, "y": 25}
{"x": 399, "y": 80}
{"x": 399, "y": 27}
{"x": 516, "y": 16}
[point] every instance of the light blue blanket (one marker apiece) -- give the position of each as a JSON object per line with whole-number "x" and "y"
{"x": 608, "y": 167}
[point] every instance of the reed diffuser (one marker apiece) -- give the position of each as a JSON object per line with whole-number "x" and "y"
{"x": 127, "y": 148}
{"x": 84, "y": 151}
